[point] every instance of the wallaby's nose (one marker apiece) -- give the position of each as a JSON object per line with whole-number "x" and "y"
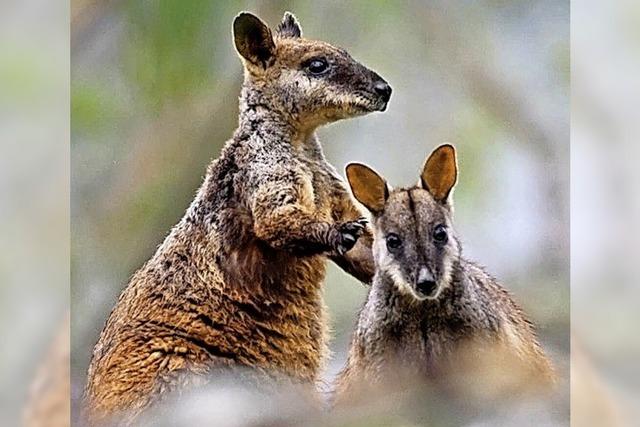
{"x": 426, "y": 283}
{"x": 383, "y": 89}
{"x": 427, "y": 287}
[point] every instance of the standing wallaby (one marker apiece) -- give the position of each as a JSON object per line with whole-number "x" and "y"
{"x": 428, "y": 307}
{"x": 237, "y": 282}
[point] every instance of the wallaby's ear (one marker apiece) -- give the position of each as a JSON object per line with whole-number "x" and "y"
{"x": 253, "y": 39}
{"x": 289, "y": 27}
{"x": 440, "y": 172}
{"x": 367, "y": 186}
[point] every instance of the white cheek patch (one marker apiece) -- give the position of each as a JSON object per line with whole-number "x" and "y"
{"x": 398, "y": 279}
{"x": 386, "y": 265}
{"x": 439, "y": 290}
{"x": 447, "y": 269}
{"x": 447, "y": 272}
{"x": 317, "y": 88}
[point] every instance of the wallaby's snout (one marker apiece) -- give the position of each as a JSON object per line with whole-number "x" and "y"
{"x": 377, "y": 88}
{"x": 383, "y": 90}
{"x": 426, "y": 284}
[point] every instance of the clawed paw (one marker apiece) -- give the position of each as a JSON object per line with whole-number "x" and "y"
{"x": 348, "y": 234}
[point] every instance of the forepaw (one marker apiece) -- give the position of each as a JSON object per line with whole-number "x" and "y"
{"x": 348, "y": 234}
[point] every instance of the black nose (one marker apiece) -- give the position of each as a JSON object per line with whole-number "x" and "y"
{"x": 426, "y": 287}
{"x": 383, "y": 89}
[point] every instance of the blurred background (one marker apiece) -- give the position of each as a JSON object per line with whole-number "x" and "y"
{"x": 605, "y": 212}
{"x": 34, "y": 192}
{"x": 154, "y": 96}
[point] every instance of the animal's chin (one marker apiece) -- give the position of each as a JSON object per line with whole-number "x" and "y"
{"x": 348, "y": 112}
{"x": 414, "y": 293}
{"x": 360, "y": 108}
{"x": 369, "y": 107}
{"x": 381, "y": 106}
{"x": 421, "y": 295}
{"x": 354, "y": 108}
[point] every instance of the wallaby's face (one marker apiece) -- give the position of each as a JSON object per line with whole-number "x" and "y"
{"x": 312, "y": 81}
{"x": 414, "y": 241}
{"x": 414, "y": 244}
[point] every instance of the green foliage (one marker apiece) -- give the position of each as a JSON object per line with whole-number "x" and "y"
{"x": 94, "y": 108}
{"x": 168, "y": 52}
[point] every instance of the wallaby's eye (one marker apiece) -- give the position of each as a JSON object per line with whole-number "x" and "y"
{"x": 440, "y": 234}
{"x": 317, "y": 66}
{"x": 393, "y": 241}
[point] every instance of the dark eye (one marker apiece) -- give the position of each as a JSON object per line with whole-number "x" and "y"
{"x": 393, "y": 241}
{"x": 440, "y": 234}
{"x": 317, "y": 66}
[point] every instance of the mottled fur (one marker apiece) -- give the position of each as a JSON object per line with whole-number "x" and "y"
{"x": 237, "y": 283}
{"x": 430, "y": 313}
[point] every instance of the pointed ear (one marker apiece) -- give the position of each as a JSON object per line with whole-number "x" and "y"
{"x": 440, "y": 172}
{"x": 367, "y": 186}
{"x": 253, "y": 39}
{"x": 289, "y": 27}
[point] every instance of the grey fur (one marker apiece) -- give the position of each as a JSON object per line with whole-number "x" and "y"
{"x": 401, "y": 328}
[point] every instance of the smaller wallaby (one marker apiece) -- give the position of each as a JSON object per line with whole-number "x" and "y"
{"x": 429, "y": 310}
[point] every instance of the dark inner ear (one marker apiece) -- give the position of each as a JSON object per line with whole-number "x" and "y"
{"x": 367, "y": 187}
{"x": 289, "y": 27}
{"x": 440, "y": 172}
{"x": 253, "y": 39}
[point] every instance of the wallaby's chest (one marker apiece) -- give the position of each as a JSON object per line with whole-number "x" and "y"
{"x": 406, "y": 336}
{"x": 326, "y": 186}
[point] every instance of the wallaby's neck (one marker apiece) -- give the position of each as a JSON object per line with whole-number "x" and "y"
{"x": 259, "y": 116}
{"x": 261, "y": 112}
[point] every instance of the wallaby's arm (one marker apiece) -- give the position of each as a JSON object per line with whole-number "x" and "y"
{"x": 358, "y": 262}
{"x": 285, "y": 218}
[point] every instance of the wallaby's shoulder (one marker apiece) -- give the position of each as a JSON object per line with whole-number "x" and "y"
{"x": 495, "y": 298}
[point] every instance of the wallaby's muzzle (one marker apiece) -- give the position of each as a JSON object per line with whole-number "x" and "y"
{"x": 426, "y": 284}
{"x": 383, "y": 90}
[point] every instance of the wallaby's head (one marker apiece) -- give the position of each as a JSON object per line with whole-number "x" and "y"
{"x": 414, "y": 241}
{"x": 311, "y": 81}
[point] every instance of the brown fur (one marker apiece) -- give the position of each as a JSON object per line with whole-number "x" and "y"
{"x": 432, "y": 316}
{"x": 237, "y": 283}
